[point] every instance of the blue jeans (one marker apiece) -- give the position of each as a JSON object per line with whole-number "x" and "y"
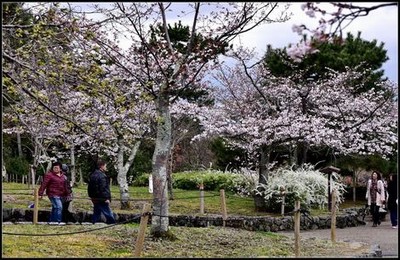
{"x": 56, "y": 209}
{"x": 102, "y": 207}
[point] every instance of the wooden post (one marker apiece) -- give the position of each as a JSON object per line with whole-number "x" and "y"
{"x": 333, "y": 217}
{"x": 297, "y": 229}
{"x": 36, "y": 206}
{"x": 33, "y": 176}
{"x": 201, "y": 187}
{"x": 223, "y": 207}
{"x": 142, "y": 229}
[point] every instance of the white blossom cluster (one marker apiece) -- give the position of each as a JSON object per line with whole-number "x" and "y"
{"x": 308, "y": 185}
{"x": 257, "y": 109}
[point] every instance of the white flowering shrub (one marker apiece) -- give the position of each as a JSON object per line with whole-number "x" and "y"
{"x": 306, "y": 184}
{"x": 244, "y": 182}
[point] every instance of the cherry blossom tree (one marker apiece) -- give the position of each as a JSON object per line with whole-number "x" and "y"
{"x": 257, "y": 111}
{"x": 165, "y": 69}
{"x": 62, "y": 68}
{"x": 44, "y": 129}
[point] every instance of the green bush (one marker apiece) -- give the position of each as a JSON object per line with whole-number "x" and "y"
{"x": 190, "y": 180}
{"x": 212, "y": 180}
{"x": 16, "y": 165}
{"x": 141, "y": 180}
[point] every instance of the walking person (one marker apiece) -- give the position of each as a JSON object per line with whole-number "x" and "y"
{"x": 100, "y": 194}
{"x": 375, "y": 196}
{"x": 54, "y": 185}
{"x": 67, "y": 216}
{"x": 392, "y": 199}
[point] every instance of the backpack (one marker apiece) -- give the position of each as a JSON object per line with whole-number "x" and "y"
{"x": 91, "y": 188}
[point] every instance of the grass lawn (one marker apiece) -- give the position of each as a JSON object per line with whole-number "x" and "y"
{"x": 119, "y": 241}
{"x": 184, "y": 202}
{"x": 87, "y": 241}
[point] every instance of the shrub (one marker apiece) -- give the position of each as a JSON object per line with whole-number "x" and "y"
{"x": 245, "y": 181}
{"x": 305, "y": 184}
{"x": 17, "y": 165}
{"x": 212, "y": 180}
{"x": 140, "y": 181}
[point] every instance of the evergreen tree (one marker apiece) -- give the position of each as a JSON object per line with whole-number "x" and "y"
{"x": 336, "y": 55}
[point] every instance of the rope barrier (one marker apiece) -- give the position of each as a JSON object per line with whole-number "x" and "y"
{"x": 301, "y": 210}
{"x": 204, "y": 218}
{"x": 6, "y": 193}
{"x": 72, "y": 233}
{"x": 175, "y": 192}
{"x": 196, "y": 197}
{"x": 118, "y": 199}
{"x": 18, "y": 189}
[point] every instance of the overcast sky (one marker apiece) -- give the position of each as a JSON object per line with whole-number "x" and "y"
{"x": 380, "y": 24}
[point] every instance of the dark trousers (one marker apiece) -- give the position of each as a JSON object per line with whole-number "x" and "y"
{"x": 102, "y": 207}
{"x": 375, "y": 213}
{"x": 393, "y": 216}
{"x": 67, "y": 216}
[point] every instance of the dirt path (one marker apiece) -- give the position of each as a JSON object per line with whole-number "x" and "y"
{"x": 383, "y": 235}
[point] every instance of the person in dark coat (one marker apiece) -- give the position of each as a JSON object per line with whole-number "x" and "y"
{"x": 100, "y": 194}
{"x": 67, "y": 216}
{"x": 392, "y": 199}
{"x": 54, "y": 185}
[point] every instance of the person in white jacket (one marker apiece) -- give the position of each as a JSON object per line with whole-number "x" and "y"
{"x": 375, "y": 196}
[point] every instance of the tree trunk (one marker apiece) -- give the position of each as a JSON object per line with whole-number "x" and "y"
{"x": 72, "y": 169}
{"x": 123, "y": 170}
{"x": 293, "y": 155}
{"x": 259, "y": 200}
{"x": 80, "y": 177}
{"x": 354, "y": 187}
{"x": 304, "y": 150}
{"x": 299, "y": 153}
{"x": 19, "y": 145}
{"x": 159, "y": 220}
{"x": 169, "y": 173}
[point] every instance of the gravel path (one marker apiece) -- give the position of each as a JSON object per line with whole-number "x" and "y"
{"x": 383, "y": 235}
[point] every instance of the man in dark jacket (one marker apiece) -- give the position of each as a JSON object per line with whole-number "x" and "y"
{"x": 100, "y": 194}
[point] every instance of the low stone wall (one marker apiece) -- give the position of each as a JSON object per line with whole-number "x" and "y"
{"x": 347, "y": 218}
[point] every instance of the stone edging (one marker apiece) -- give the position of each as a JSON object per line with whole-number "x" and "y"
{"x": 347, "y": 218}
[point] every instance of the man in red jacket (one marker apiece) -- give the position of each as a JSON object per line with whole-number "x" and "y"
{"x": 54, "y": 184}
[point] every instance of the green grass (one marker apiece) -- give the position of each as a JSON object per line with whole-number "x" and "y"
{"x": 17, "y": 195}
{"x": 119, "y": 241}
{"x": 184, "y": 202}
